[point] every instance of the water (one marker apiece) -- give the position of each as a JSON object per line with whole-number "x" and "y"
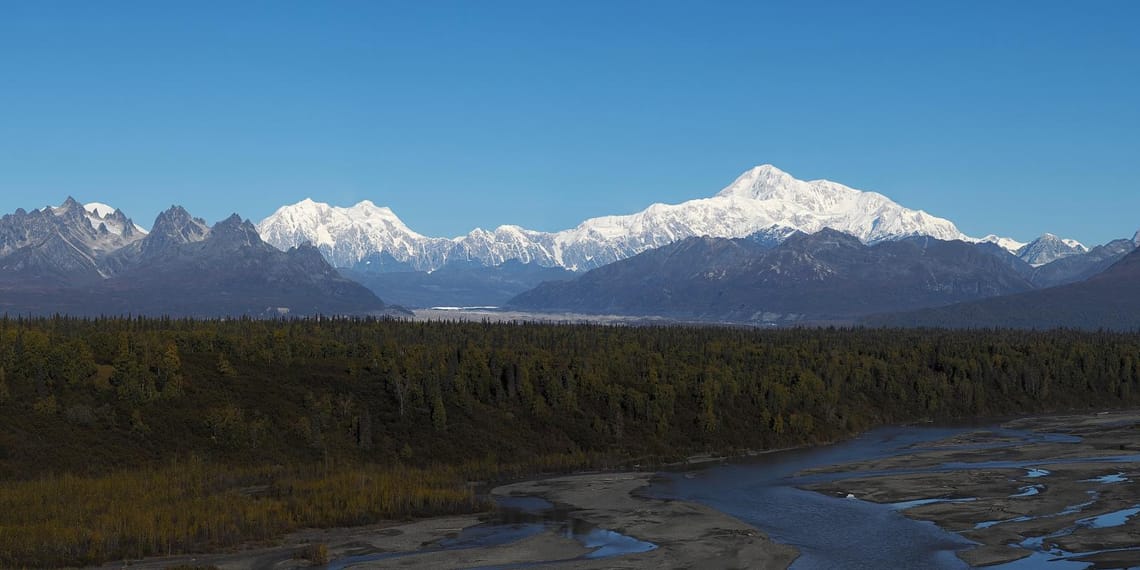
{"x": 904, "y": 505}
{"x": 1027, "y": 491}
{"x": 516, "y": 519}
{"x": 830, "y": 532}
{"x": 834, "y": 532}
{"x": 1108, "y": 479}
{"x": 1108, "y": 520}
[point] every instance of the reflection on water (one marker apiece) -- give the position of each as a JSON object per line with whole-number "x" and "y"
{"x": 904, "y": 505}
{"x": 608, "y": 543}
{"x": 1107, "y": 479}
{"x": 1028, "y": 491}
{"x": 1108, "y": 520}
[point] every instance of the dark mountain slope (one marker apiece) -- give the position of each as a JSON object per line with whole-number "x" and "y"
{"x": 1107, "y": 300}
{"x": 58, "y": 246}
{"x": 827, "y": 275}
{"x": 184, "y": 268}
{"x": 1080, "y": 267}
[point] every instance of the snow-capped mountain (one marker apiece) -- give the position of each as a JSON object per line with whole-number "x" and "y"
{"x": 1049, "y": 248}
{"x": 92, "y": 260}
{"x": 763, "y": 200}
{"x": 117, "y": 223}
{"x": 1009, "y": 244}
{"x": 66, "y": 243}
{"x": 345, "y": 235}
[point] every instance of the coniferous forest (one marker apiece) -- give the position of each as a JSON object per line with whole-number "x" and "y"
{"x": 133, "y": 437}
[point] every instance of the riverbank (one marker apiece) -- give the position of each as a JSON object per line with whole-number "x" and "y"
{"x": 1065, "y": 493}
{"x": 680, "y": 535}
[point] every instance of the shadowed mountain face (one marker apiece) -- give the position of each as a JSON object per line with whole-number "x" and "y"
{"x": 181, "y": 268}
{"x": 823, "y": 276}
{"x": 1107, "y": 300}
{"x": 60, "y": 246}
{"x": 1082, "y": 266}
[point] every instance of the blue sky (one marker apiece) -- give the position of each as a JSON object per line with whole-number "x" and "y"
{"x": 1004, "y": 116}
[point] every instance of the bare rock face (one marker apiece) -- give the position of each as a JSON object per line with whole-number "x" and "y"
{"x": 59, "y": 260}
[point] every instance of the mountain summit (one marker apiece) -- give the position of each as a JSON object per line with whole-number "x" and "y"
{"x": 764, "y": 202}
{"x": 1049, "y": 248}
{"x": 92, "y": 260}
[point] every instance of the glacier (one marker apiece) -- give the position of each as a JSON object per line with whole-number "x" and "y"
{"x": 764, "y": 201}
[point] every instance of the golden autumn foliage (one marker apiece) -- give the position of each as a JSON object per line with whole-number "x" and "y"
{"x": 191, "y": 506}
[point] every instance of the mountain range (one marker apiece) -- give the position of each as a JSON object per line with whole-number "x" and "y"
{"x": 1107, "y": 300}
{"x": 93, "y": 261}
{"x": 764, "y": 202}
{"x": 768, "y": 248}
{"x": 825, "y": 276}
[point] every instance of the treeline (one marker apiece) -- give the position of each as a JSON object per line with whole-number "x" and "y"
{"x": 88, "y": 398}
{"x": 92, "y": 395}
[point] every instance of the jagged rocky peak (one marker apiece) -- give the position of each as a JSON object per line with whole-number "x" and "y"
{"x": 235, "y": 231}
{"x": 1049, "y": 248}
{"x": 1136, "y": 238}
{"x": 110, "y": 220}
{"x": 99, "y": 227}
{"x": 177, "y": 224}
{"x": 68, "y": 205}
{"x": 70, "y": 210}
{"x": 234, "y": 222}
{"x": 172, "y": 228}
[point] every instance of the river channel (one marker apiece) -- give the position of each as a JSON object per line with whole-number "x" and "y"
{"x": 832, "y": 528}
{"x": 846, "y": 532}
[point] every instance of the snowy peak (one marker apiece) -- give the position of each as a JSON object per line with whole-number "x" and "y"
{"x": 810, "y": 206}
{"x": 763, "y": 201}
{"x": 1009, "y": 244}
{"x": 99, "y": 209}
{"x": 345, "y": 235}
{"x": 112, "y": 220}
{"x": 761, "y": 183}
{"x": 101, "y": 231}
{"x": 1049, "y": 248}
{"x": 67, "y": 241}
{"x": 308, "y": 214}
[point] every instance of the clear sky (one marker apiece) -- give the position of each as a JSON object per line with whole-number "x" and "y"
{"x": 1005, "y": 116}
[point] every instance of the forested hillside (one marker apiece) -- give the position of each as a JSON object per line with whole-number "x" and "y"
{"x": 90, "y": 395}
{"x": 297, "y": 404}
